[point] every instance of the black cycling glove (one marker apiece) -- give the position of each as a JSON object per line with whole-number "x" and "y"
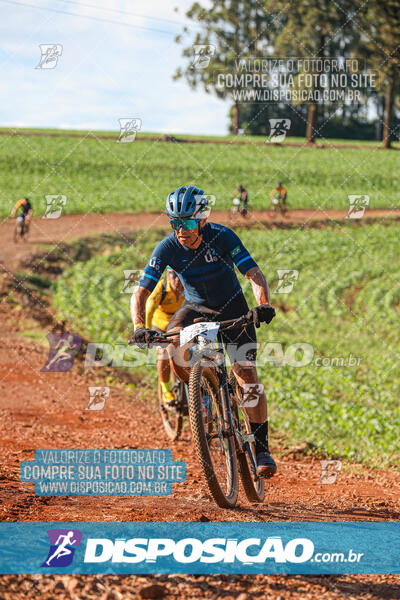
{"x": 142, "y": 337}
{"x": 261, "y": 314}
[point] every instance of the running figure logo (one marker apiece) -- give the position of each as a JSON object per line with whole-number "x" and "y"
{"x": 279, "y": 129}
{"x": 128, "y": 129}
{"x": 286, "y": 280}
{"x": 50, "y": 55}
{"x": 202, "y": 55}
{"x": 329, "y": 471}
{"x": 251, "y": 394}
{"x": 98, "y": 397}
{"x": 62, "y": 547}
{"x": 131, "y": 282}
{"x": 63, "y": 348}
{"x": 54, "y": 206}
{"x": 357, "y": 205}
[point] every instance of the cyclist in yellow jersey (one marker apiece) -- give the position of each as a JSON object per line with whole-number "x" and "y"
{"x": 26, "y": 210}
{"x": 166, "y": 298}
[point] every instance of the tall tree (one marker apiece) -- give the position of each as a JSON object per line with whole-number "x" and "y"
{"x": 379, "y": 23}
{"x": 312, "y": 29}
{"x": 231, "y": 30}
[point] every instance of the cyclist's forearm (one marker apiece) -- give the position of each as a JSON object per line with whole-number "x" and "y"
{"x": 138, "y": 306}
{"x": 259, "y": 285}
{"x": 150, "y": 310}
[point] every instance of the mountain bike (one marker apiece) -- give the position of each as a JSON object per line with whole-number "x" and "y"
{"x": 239, "y": 208}
{"x": 21, "y": 230}
{"x": 278, "y": 205}
{"x": 221, "y": 430}
{"x": 173, "y": 413}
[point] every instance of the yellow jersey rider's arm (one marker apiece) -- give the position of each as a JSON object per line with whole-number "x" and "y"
{"x": 153, "y": 302}
{"x": 17, "y": 205}
{"x": 21, "y": 204}
{"x": 138, "y": 307}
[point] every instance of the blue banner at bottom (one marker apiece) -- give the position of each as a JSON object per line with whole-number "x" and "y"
{"x": 200, "y": 548}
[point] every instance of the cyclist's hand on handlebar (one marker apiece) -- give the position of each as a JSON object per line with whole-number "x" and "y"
{"x": 142, "y": 337}
{"x": 261, "y": 314}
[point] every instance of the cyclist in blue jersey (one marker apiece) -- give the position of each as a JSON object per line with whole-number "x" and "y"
{"x": 205, "y": 256}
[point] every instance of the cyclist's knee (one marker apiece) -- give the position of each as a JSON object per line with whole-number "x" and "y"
{"x": 162, "y": 354}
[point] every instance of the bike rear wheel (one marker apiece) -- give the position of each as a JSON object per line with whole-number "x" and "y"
{"x": 214, "y": 443}
{"x": 254, "y": 487}
{"x": 171, "y": 415}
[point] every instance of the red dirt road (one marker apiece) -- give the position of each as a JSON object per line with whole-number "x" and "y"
{"x": 39, "y": 410}
{"x": 47, "y": 410}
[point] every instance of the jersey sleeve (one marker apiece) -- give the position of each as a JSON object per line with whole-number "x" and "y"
{"x": 18, "y": 204}
{"x": 237, "y": 251}
{"x": 155, "y": 267}
{"x": 153, "y": 301}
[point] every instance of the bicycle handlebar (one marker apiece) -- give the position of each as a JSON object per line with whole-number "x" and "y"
{"x": 229, "y": 324}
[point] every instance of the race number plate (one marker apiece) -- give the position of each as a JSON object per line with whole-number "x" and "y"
{"x": 207, "y": 329}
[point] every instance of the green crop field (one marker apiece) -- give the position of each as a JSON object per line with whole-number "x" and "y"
{"x": 100, "y": 175}
{"x": 340, "y": 392}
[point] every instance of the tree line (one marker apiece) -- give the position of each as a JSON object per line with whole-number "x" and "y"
{"x": 234, "y": 32}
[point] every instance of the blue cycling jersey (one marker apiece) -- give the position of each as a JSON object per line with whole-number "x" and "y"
{"x": 207, "y": 273}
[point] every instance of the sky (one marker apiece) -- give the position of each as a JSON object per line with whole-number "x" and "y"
{"x": 117, "y": 62}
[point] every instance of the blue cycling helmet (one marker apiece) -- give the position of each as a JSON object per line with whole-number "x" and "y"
{"x": 187, "y": 201}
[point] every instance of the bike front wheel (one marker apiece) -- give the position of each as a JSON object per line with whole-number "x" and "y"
{"x": 25, "y": 232}
{"x": 213, "y": 439}
{"x": 17, "y": 233}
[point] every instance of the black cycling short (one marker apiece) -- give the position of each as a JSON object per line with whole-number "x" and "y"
{"x": 240, "y": 343}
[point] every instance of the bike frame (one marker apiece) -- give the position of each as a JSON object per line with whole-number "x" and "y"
{"x": 220, "y": 366}
{"x": 222, "y": 369}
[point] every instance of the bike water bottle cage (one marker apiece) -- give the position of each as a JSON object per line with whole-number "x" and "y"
{"x": 186, "y": 224}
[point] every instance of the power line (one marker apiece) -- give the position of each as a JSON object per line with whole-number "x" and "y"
{"x": 124, "y": 12}
{"x": 64, "y": 12}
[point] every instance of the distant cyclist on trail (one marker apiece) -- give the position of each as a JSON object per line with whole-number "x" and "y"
{"x": 26, "y": 210}
{"x": 279, "y": 198}
{"x": 240, "y": 200}
{"x": 205, "y": 256}
{"x": 163, "y": 302}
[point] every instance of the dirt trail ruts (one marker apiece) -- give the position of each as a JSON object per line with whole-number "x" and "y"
{"x": 200, "y": 587}
{"x": 53, "y": 231}
{"x": 47, "y": 410}
{"x": 39, "y": 410}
